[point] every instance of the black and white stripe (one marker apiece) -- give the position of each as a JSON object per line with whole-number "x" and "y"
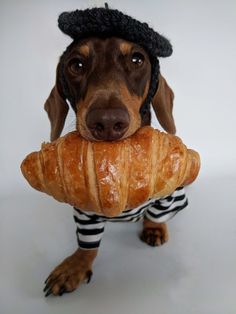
{"x": 89, "y": 229}
{"x": 90, "y": 226}
{"x": 166, "y": 208}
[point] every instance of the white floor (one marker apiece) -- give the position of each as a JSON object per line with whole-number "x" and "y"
{"x": 195, "y": 272}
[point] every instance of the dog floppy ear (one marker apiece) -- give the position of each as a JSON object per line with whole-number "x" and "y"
{"x": 162, "y": 103}
{"x": 56, "y": 108}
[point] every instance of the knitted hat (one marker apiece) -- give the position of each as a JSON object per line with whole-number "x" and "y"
{"x": 105, "y": 22}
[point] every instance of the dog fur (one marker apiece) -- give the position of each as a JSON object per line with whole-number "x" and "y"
{"x": 97, "y": 70}
{"x": 103, "y": 81}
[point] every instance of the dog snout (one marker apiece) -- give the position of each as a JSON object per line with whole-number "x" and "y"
{"x": 107, "y": 123}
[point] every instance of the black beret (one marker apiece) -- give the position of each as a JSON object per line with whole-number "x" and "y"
{"x": 104, "y": 22}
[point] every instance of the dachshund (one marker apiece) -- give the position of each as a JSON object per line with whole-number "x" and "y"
{"x": 107, "y": 80}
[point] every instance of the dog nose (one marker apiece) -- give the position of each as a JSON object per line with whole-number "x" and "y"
{"x": 107, "y": 124}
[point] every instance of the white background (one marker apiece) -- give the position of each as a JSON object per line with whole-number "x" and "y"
{"x": 195, "y": 272}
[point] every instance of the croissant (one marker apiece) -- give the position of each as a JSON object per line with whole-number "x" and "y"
{"x": 110, "y": 177}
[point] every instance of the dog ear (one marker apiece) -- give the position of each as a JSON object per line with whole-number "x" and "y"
{"x": 56, "y": 108}
{"x": 162, "y": 103}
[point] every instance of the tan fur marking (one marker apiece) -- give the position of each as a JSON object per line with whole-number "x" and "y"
{"x": 125, "y": 48}
{"x": 132, "y": 103}
{"x": 84, "y": 50}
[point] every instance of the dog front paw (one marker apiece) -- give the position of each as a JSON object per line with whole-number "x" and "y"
{"x": 67, "y": 276}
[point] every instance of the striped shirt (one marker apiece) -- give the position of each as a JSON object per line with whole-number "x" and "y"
{"x": 90, "y": 226}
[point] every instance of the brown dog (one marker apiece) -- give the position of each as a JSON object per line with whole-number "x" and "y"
{"x": 108, "y": 81}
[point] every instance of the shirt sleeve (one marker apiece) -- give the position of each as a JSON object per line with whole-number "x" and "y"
{"x": 165, "y": 208}
{"x": 90, "y": 229}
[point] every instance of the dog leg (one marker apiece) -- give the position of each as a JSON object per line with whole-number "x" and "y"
{"x": 74, "y": 270}
{"x": 154, "y": 234}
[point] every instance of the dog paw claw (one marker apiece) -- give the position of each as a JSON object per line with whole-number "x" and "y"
{"x": 89, "y": 276}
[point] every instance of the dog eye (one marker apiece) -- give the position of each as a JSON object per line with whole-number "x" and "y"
{"x": 137, "y": 58}
{"x": 76, "y": 65}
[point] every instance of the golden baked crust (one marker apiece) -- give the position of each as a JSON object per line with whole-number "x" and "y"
{"x": 110, "y": 177}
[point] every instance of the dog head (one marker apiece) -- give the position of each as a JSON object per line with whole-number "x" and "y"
{"x": 109, "y": 82}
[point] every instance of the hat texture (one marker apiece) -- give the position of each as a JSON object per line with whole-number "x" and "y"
{"x": 104, "y": 22}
